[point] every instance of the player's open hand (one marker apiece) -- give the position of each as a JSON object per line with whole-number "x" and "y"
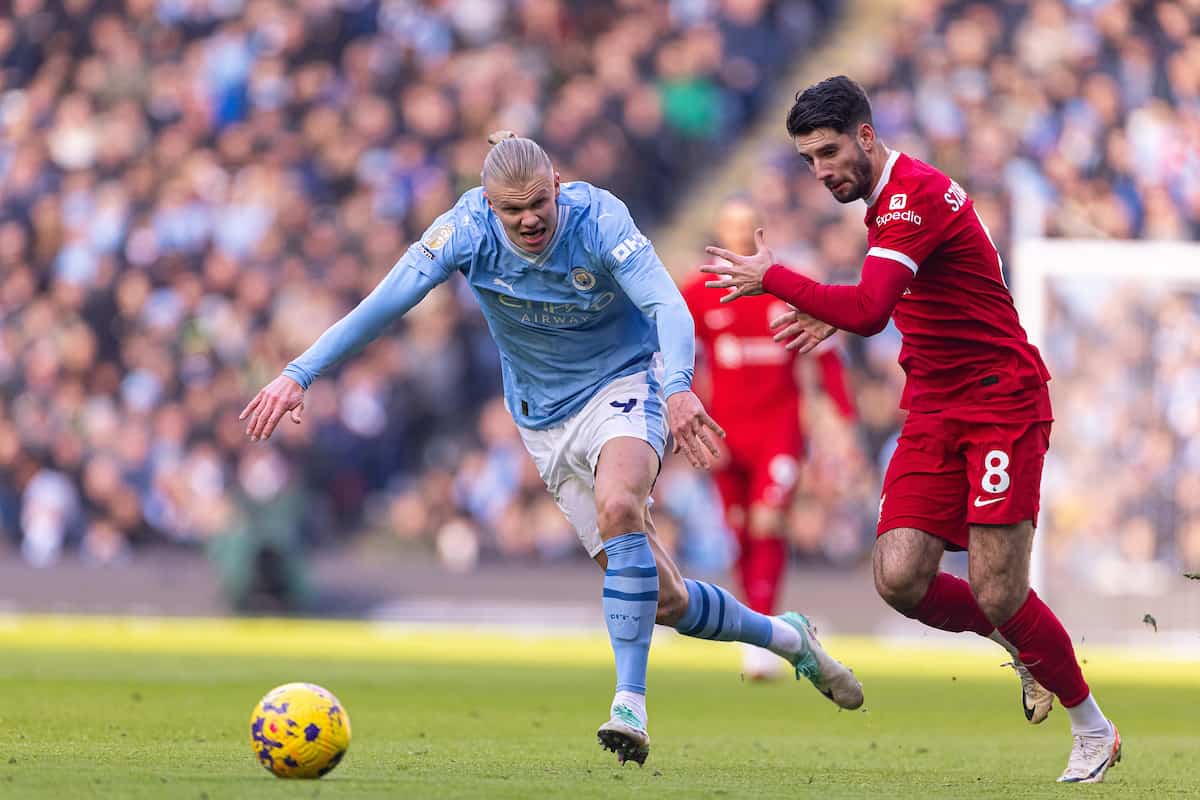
{"x": 743, "y": 275}
{"x": 279, "y": 397}
{"x": 800, "y": 332}
{"x": 693, "y": 429}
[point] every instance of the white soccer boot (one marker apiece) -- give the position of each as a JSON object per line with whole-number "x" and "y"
{"x": 760, "y": 664}
{"x": 625, "y": 734}
{"x": 831, "y": 678}
{"x": 1091, "y": 756}
{"x": 1036, "y": 700}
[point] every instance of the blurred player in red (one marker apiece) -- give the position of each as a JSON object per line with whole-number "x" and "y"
{"x": 967, "y": 469}
{"x": 752, "y": 386}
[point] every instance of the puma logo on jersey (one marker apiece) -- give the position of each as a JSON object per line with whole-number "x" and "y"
{"x": 503, "y": 283}
{"x": 906, "y": 216}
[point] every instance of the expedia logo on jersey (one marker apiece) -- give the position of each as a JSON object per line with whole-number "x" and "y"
{"x": 907, "y": 216}
{"x": 898, "y": 202}
{"x": 628, "y": 247}
{"x": 583, "y": 280}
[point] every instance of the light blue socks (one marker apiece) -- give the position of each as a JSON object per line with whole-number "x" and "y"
{"x": 630, "y": 605}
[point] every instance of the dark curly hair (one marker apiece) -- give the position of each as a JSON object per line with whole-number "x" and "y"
{"x": 837, "y": 103}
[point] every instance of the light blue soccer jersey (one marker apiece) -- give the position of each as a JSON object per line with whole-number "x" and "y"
{"x": 594, "y": 305}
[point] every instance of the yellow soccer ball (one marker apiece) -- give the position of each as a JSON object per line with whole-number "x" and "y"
{"x": 299, "y": 730}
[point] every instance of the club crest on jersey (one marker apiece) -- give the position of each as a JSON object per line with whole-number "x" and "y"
{"x": 583, "y": 280}
{"x": 898, "y": 202}
{"x": 439, "y": 236}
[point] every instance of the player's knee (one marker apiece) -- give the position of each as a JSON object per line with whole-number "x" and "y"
{"x": 619, "y": 513}
{"x": 902, "y": 589}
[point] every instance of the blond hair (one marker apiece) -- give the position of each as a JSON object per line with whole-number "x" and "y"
{"x": 514, "y": 160}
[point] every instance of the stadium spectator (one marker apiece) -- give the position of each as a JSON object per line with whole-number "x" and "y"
{"x": 192, "y": 190}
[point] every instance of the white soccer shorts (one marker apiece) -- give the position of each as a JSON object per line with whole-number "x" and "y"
{"x": 566, "y": 454}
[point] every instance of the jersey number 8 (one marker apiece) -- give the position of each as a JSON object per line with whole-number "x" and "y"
{"x": 995, "y": 478}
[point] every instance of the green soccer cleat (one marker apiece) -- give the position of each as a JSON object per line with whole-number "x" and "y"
{"x": 625, "y": 735}
{"x": 830, "y": 677}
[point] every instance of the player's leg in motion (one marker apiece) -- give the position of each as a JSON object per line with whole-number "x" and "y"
{"x": 907, "y": 577}
{"x": 625, "y": 474}
{"x": 642, "y": 585}
{"x": 708, "y": 611}
{"x": 999, "y": 572}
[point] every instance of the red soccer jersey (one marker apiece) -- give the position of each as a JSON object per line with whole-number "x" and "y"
{"x": 754, "y": 392}
{"x": 963, "y": 344}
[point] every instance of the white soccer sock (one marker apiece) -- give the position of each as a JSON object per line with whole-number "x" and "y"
{"x": 996, "y": 637}
{"x": 785, "y": 640}
{"x": 635, "y": 701}
{"x": 1088, "y": 720}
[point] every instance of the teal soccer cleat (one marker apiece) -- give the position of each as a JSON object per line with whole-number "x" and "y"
{"x": 625, "y": 735}
{"x": 830, "y": 677}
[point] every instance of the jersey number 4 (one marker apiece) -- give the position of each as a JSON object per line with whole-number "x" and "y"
{"x": 625, "y": 406}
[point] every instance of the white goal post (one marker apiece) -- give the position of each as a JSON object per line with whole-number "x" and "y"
{"x": 1039, "y": 262}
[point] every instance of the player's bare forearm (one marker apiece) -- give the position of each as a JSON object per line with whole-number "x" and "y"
{"x": 692, "y": 429}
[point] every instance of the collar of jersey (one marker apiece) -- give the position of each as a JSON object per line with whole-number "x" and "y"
{"x": 884, "y": 178}
{"x": 536, "y": 259}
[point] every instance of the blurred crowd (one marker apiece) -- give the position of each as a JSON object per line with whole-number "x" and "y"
{"x": 1122, "y": 483}
{"x": 1071, "y": 118}
{"x": 192, "y": 190}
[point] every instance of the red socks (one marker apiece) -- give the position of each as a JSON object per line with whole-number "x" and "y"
{"x": 761, "y": 571}
{"x": 949, "y": 605}
{"x": 1046, "y": 650}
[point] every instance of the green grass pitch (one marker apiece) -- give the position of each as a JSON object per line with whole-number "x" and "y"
{"x": 159, "y": 709}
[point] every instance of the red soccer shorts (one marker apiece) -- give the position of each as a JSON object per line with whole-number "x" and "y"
{"x": 948, "y": 474}
{"x": 761, "y": 468}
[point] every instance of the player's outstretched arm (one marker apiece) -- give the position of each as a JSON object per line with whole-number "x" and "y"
{"x": 401, "y": 289}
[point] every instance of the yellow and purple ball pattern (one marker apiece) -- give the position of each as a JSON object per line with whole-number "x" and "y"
{"x": 299, "y": 730}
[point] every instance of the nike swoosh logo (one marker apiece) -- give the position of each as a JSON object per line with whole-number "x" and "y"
{"x": 980, "y": 502}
